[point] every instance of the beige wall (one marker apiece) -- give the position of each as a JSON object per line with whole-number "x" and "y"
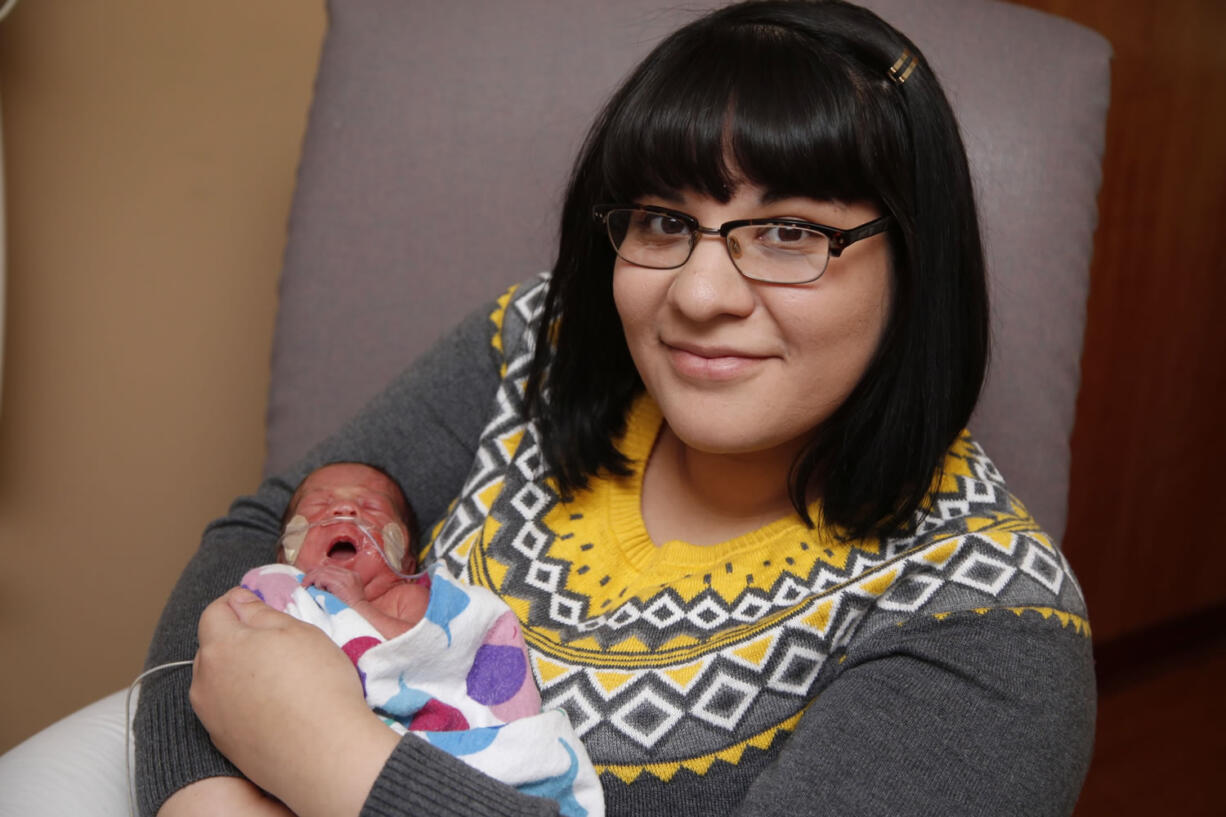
{"x": 150, "y": 149}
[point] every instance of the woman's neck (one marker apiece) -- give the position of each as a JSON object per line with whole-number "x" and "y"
{"x": 705, "y": 499}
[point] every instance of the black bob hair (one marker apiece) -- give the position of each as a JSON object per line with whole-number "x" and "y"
{"x": 797, "y": 98}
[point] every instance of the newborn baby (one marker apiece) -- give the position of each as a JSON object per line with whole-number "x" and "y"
{"x": 451, "y": 665}
{"x": 349, "y": 530}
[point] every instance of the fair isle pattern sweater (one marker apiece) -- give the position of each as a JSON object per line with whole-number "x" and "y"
{"x": 679, "y": 657}
{"x": 781, "y": 673}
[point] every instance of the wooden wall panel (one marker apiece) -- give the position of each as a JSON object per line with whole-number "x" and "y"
{"x": 1149, "y": 446}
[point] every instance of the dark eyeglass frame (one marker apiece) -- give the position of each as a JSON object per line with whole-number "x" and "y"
{"x": 838, "y": 240}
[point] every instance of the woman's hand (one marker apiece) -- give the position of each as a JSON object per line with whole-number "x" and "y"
{"x": 285, "y": 705}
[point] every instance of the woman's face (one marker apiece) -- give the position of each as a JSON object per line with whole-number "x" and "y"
{"x": 739, "y": 366}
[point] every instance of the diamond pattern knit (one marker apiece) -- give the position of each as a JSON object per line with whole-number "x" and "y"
{"x": 678, "y": 657}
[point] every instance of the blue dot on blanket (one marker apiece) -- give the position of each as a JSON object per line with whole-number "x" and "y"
{"x": 497, "y": 673}
{"x": 404, "y": 703}
{"x": 464, "y": 742}
{"x": 560, "y": 788}
{"x": 446, "y": 602}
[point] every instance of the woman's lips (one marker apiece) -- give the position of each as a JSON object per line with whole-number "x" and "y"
{"x": 711, "y": 363}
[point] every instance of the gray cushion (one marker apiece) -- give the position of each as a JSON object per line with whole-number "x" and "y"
{"x": 441, "y": 136}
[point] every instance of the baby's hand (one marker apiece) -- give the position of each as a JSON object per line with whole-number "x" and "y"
{"x": 345, "y": 584}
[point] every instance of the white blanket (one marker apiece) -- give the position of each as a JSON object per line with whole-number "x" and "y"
{"x": 460, "y": 678}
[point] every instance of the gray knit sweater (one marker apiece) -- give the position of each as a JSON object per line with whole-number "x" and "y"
{"x": 784, "y": 672}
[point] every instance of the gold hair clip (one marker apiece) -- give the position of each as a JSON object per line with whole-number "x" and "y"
{"x": 903, "y": 66}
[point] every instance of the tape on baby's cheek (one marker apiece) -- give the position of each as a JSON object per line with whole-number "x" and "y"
{"x": 291, "y": 540}
{"x": 394, "y": 544}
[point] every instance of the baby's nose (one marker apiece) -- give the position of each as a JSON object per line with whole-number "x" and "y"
{"x": 343, "y": 507}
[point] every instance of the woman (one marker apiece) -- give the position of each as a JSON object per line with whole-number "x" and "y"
{"x": 715, "y": 464}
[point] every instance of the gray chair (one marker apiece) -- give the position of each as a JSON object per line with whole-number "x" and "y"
{"x": 430, "y": 119}
{"x": 441, "y": 136}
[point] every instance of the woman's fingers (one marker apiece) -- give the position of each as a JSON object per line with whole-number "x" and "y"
{"x": 250, "y": 609}
{"x": 236, "y": 609}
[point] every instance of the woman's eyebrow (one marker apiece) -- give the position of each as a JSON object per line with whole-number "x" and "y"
{"x": 774, "y": 197}
{"x": 673, "y": 198}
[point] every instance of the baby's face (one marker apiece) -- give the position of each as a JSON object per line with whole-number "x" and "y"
{"x": 349, "y": 490}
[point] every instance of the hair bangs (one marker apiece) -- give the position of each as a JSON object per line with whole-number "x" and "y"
{"x": 754, "y": 104}
{"x": 798, "y": 127}
{"x": 668, "y": 133}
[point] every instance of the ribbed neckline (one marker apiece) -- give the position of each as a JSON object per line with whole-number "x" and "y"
{"x": 643, "y": 425}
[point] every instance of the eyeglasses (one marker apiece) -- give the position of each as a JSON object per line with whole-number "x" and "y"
{"x": 774, "y": 250}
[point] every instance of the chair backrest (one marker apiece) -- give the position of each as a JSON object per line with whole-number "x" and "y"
{"x": 441, "y": 136}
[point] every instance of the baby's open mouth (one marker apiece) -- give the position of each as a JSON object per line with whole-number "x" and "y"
{"x": 342, "y": 549}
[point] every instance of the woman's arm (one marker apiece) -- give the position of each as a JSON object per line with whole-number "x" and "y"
{"x": 423, "y": 429}
{"x": 973, "y": 714}
{"x": 222, "y": 795}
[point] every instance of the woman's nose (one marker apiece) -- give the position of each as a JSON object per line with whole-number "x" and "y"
{"x": 709, "y": 284}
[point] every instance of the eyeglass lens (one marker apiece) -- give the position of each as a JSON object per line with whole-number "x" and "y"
{"x": 778, "y": 253}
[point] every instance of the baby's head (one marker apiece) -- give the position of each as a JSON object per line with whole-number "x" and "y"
{"x": 351, "y": 515}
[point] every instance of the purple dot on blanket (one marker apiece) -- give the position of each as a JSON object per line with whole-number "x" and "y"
{"x": 497, "y": 673}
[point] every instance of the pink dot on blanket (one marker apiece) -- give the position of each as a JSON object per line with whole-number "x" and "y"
{"x": 524, "y": 703}
{"x": 355, "y": 648}
{"x": 274, "y": 584}
{"x": 505, "y": 631}
{"x": 437, "y": 716}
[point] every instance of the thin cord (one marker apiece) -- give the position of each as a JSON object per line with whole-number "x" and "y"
{"x": 127, "y": 710}
{"x": 6, "y": 8}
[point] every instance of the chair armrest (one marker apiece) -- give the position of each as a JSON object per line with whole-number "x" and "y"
{"x": 75, "y": 766}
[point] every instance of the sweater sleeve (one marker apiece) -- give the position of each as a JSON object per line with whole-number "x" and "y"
{"x": 441, "y": 785}
{"x": 423, "y": 429}
{"x": 968, "y": 713}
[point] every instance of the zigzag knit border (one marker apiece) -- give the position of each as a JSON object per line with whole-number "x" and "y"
{"x": 1066, "y": 619}
{"x": 628, "y": 773}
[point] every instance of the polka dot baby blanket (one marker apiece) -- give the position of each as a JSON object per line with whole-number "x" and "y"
{"x": 459, "y": 679}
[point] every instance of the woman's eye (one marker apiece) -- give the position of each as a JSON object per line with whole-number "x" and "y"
{"x": 670, "y": 226}
{"x": 658, "y": 224}
{"x": 792, "y": 237}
